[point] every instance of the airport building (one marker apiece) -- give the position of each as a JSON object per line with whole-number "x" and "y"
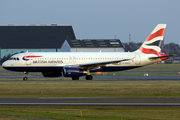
{"x": 97, "y": 45}
{"x": 34, "y": 38}
{"x": 50, "y": 38}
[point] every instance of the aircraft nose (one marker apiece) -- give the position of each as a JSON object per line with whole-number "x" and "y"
{"x": 7, "y": 65}
{"x": 4, "y": 64}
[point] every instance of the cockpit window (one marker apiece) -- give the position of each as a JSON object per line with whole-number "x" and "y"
{"x": 13, "y": 58}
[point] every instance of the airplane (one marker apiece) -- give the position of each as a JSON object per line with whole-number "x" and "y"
{"x": 77, "y": 64}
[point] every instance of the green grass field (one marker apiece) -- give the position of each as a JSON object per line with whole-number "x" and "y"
{"x": 92, "y": 112}
{"x": 90, "y": 89}
{"x": 159, "y": 67}
{"x": 140, "y": 89}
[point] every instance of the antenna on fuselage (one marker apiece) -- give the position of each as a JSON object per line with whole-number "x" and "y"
{"x": 27, "y": 51}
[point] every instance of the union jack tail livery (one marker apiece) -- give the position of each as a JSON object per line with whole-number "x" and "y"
{"x": 152, "y": 45}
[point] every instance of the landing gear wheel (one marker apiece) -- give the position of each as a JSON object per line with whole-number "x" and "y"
{"x": 75, "y": 78}
{"x": 89, "y": 77}
{"x": 25, "y": 78}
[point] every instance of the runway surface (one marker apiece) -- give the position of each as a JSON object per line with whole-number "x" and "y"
{"x": 91, "y": 101}
{"x": 101, "y": 78}
{"x": 96, "y": 78}
{"x": 112, "y": 72}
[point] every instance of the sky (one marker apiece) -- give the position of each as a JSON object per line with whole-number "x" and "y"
{"x": 98, "y": 19}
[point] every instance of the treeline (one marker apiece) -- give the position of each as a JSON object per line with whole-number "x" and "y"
{"x": 170, "y": 48}
{"x": 6, "y": 57}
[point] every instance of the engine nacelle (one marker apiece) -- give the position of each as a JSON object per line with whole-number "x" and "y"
{"x": 51, "y": 74}
{"x": 72, "y": 72}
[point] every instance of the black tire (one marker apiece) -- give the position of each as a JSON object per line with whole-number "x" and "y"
{"x": 25, "y": 78}
{"x": 89, "y": 77}
{"x": 75, "y": 78}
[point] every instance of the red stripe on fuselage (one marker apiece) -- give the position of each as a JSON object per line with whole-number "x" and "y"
{"x": 32, "y": 56}
{"x": 156, "y": 34}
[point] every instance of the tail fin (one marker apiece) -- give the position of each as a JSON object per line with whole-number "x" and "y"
{"x": 152, "y": 45}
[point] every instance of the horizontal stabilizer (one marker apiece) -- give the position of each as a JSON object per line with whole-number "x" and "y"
{"x": 158, "y": 57}
{"x": 165, "y": 56}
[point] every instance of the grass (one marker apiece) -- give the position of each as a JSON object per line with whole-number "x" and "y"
{"x": 2, "y": 69}
{"x": 93, "y": 112}
{"x": 94, "y": 89}
{"x": 140, "y": 74}
{"x": 90, "y": 89}
{"x": 159, "y": 67}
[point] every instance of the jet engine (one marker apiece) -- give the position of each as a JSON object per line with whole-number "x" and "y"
{"x": 73, "y": 72}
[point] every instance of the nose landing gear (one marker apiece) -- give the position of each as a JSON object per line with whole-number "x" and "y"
{"x": 25, "y": 76}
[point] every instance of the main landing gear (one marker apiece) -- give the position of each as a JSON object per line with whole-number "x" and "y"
{"x": 88, "y": 77}
{"x": 25, "y": 76}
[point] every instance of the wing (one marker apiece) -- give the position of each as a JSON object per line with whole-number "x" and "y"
{"x": 97, "y": 64}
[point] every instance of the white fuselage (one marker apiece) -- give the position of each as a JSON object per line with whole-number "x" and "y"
{"x": 39, "y": 60}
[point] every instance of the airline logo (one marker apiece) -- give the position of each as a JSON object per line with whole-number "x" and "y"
{"x": 152, "y": 45}
{"x": 159, "y": 33}
{"x": 156, "y": 43}
{"x": 26, "y": 58}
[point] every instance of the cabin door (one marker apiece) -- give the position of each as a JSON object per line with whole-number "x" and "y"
{"x": 27, "y": 59}
{"x": 137, "y": 59}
